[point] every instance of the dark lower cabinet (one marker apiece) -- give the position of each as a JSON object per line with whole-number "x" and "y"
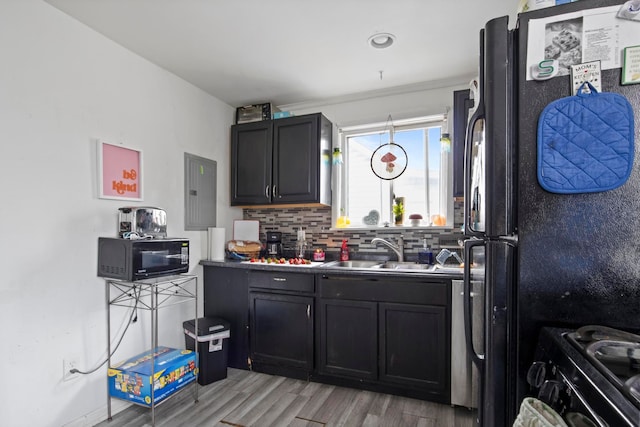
{"x": 281, "y": 330}
{"x": 348, "y": 338}
{"x": 281, "y": 320}
{"x": 413, "y": 346}
{"x": 383, "y": 333}
{"x": 389, "y": 334}
{"x": 225, "y": 295}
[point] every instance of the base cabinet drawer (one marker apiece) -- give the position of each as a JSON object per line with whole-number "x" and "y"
{"x": 274, "y": 280}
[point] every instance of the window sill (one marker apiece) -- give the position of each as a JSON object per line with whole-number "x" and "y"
{"x": 393, "y": 228}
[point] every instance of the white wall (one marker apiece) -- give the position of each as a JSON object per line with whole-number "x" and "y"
{"x": 62, "y": 87}
{"x": 414, "y": 103}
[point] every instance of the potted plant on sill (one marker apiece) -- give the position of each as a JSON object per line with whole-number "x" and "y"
{"x": 398, "y": 210}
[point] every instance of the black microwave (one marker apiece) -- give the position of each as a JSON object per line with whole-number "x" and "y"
{"x": 133, "y": 260}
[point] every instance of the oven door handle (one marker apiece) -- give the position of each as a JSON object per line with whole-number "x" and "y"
{"x": 592, "y": 414}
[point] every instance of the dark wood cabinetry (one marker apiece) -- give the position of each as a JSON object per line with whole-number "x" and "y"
{"x": 348, "y": 338}
{"x": 281, "y": 330}
{"x": 225, "y": 295}
{"x": 413, "y": 343}
{"x": 462, "y": 103}
{"x": 391, "y": 331}
{"x": 387, "y": 333}
{"x": 281, "y": 313}
{"x": 251, "y": 153}
{"x": 284, "y": 161}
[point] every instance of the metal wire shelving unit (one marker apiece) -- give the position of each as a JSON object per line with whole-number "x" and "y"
{"x": 151, "y": 295}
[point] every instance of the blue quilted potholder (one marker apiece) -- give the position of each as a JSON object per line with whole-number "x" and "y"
{"x": 585, "y": 143}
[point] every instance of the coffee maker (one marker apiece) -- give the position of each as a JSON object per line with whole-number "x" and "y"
{"x": 274, "y": 243}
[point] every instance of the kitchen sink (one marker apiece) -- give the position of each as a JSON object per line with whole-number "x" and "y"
{"x": 380, "y": 265}
{"x": 353, "y": 264}
{"x": 396, "y": 265}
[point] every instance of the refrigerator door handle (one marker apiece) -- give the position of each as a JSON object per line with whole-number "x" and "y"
{"x": 478, "y": 359}
{"x": 468, "y": 172}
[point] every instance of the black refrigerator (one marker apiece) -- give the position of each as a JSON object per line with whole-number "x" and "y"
{"x": 540, "y": 258}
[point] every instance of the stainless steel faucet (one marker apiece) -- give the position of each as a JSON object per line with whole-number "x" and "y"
{"x": 398, "y": 249}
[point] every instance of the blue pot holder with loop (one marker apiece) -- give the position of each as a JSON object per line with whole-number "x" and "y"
{"x": 585, "y": 143}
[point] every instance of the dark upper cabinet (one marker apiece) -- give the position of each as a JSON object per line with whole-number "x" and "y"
{"x": 462, "y": 103}
{"x": 251, "y": 164}
{"x": 283, "y": 161}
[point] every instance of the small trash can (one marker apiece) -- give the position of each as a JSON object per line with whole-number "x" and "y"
{"x": 213, "y": 337}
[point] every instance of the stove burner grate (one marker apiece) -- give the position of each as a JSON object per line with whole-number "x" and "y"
{"x": 615, "y": 353}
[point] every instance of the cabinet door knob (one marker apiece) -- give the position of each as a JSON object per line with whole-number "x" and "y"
{"x": 266, "y": 191}
{"x": 308, "y": 311}
{"x": 275, "y": 191}
{"x": 279, "y": 279}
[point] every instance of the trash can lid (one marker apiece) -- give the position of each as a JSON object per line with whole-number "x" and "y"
{"x": 207, "y": 325}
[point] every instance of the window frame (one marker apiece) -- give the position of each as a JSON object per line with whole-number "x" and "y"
{"x": 340, "y": 173}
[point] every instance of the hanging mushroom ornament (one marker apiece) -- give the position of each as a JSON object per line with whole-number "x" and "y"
{"x": 389, "y": 158}
{"x": 389, "y": 166}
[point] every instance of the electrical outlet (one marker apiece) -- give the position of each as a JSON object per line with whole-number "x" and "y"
{"x": 67, "y": 365}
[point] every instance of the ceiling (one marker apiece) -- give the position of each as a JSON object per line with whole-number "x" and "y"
{"x": 295, "y": 51}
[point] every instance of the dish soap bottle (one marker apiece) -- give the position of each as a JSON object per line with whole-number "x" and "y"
{"x": 425, "y": 256}
{"x": 344, "y": 251}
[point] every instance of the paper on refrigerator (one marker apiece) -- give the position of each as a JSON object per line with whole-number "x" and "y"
{"x": 579, "y": 37}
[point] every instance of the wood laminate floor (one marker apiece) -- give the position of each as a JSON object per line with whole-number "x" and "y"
{"x": 253, "y": 399}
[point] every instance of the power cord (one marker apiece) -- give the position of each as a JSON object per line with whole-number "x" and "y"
{"x": 132, "y": 319}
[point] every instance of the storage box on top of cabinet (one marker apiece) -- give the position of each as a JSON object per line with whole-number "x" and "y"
{"x": 284, "y": 161}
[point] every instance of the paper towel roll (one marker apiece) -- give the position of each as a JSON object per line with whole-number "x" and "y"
{"x": 216, "y": 239}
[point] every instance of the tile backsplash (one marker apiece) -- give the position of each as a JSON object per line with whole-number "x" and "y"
{"x": 316, "y": 222}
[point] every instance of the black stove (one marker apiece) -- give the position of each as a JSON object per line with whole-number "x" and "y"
{"x": 590, "y": 376}
{"x": 615, "y": 353}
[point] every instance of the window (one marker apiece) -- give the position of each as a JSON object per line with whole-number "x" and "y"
{"x": 425, "y": 185}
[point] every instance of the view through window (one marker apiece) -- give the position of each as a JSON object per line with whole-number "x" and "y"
{"x": 423, "y": 186}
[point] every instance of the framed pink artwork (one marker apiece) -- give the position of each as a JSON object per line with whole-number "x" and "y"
{"x": 119, "y": 172}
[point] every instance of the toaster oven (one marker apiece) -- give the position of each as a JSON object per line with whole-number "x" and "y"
{"x": 144, "y": 220}
{"x": 254, "y": 113}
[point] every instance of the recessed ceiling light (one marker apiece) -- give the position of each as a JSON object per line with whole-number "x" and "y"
{"x": 382, "y": 40}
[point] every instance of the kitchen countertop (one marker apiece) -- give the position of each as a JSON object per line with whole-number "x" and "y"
{"x": 316, "y": 268}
